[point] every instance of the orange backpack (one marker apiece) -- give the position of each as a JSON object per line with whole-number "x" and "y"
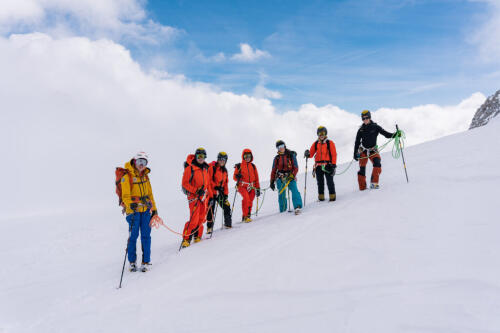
{"x": 120, "y": 173}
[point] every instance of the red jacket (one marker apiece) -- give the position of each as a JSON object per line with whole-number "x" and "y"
{"x": 195, "y": 177}
{"x": 218, "y": 177}
{"x": 248, "y": 171}
{"x": 284, "y": 163}
{"x": 323, "y": 154}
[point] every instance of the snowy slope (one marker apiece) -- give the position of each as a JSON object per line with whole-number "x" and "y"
{"x": 417, "y": 257}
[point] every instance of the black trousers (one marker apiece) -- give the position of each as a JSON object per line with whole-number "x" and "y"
{"x": 224, "y": 204}
{"x": 320, "y": 178}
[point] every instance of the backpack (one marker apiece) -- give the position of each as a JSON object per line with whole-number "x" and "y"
{"x": 327, "y": 146}
{"x": 290, "y": 153}
{"x": 120, "y": 173}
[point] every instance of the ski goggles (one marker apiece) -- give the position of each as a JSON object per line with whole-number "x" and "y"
{"x": 281, "y": 147}
{"x": 201, "y": 156}
{"x": 322, "y": 133}
{"x": 142, "y": 162}
{"x": 247, "y": 155}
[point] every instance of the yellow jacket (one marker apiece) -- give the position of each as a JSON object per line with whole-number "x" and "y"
{"x": 141, "y": 191}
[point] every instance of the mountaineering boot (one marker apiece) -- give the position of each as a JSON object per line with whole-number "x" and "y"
{"x": 133, "y": 267}
{"x": 374, "y": 186}
{"x": 247, "y": 219}
{"x": 210, "y": 230}
{"x": 333, "y": 197}
{"x": 145, "y": 266}
{"x": 227, "y": 226}
{"x": 185, "y": 243}
{"x": 297, "y": 211}
{"x": 321, "y": 197}
{"x": 197, "y": 239}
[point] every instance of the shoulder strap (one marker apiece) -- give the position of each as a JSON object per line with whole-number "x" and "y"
{"x": 329, "y": 151}
{"x": 214, "y": 168}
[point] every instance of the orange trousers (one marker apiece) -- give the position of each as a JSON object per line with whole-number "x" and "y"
{"x": 377, "y": 169}
{"x": 198, "y": 215}
{"x": 247, "y": 202}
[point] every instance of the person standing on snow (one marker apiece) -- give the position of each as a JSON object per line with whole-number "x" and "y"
{"x": 247, "y": 182}
{"x": 196, "y": 185}
{"x": 285, "y": 168}
{"x": 140, "y": 207}
{"x": 218, "y": 183}
{"x": 325, "y": 163}
{"x": 365, "y": 147}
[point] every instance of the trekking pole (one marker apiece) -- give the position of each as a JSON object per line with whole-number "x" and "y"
{"x": 234, "y": 199}
{"x": 289, "y": 207}
{"x": 305, "y": 184}
{"x": 403, "y": 156}
{"x": 257, "y": 207}
{"x": 214, "y": 215}
{"x": 126, "y": 249}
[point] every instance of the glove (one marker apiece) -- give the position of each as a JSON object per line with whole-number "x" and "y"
{"x": 200, "y": 192}
{"x": 133, "y": 206}
{"x": 238, "y": 176}
{"x": 257, "y": 192}
{"x": 356, "y": 156}
{"x": 153, "y": 213}
{"x": 307, "y": 154}
{"x": 226, "y": 202}
{"x": 398, "y": 134}
{"x": 272, "y": 186}
{"x": 333, "y": 169}
{"x": 219, "y": 189}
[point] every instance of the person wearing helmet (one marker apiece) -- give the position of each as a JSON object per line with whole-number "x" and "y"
{"x": 196, "y": 185}
{"x": 284, "y": 172}
{"x": 365, "y": 147}
{"x": 247, "y": 182}
{"x": 325, "y": 163}
{"x": 140, "y": 207}
{"x": 218, "y": 184}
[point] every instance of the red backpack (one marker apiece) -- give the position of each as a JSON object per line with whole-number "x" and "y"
{"x": 120, "y": 173}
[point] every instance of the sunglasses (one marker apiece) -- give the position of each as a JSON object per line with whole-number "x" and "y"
{"x": 365, "y": 118}
{"x": 321, "y": 133}
{"x": 141, "y": 162}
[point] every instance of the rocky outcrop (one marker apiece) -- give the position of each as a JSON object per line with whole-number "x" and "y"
{"x": 490, "y": 109}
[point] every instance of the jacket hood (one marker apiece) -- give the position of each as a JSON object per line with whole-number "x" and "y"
{"x": 245, "y": 151}
{"x": 133, "y": 170}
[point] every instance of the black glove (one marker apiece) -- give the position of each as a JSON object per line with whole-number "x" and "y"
{"x": 257, "y": 192}
{"x": 307, "y": 154}
{"x": 211, "y": 201}
{"x": 200, "y": 192}
{"x": 272, "y": 186}
{"x": 133, "y": 206}
{"x": 220, "y": 189}
{"x": 333, "y": 169}
{"x": 238, "y": 176}
{"x": 356, "y": 156}
{"x": 224, "y": 197}
{"x": 153, "y": 213}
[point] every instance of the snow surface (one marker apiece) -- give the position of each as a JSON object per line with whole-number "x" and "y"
{"x": 417, "y": 257}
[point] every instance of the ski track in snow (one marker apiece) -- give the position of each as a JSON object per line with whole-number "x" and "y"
{"x": 417, "y": 257}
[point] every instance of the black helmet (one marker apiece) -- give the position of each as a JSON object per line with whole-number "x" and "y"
{"x": 366, "y": 113}
{"x": 200, "y": 151}
{"x": 322, "y": 129}
{"x": 279, "y": 143}
{"x": 222, "y": 156}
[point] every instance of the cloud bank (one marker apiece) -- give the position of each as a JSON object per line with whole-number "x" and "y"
{"x": 73, "y": 108}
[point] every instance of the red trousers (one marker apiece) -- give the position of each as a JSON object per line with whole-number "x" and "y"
{"x": 377, "y": 169}
{"x": 247, "y": 202}
{"x": 198, "y": 214}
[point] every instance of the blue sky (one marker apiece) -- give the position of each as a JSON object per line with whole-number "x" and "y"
{"x": 354, "y": 54}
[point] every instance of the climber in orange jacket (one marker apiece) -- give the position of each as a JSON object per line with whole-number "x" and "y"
{"x": 247, "y": 182}
{"x": 196, "y": 185}
{"x": 218, "y": 184}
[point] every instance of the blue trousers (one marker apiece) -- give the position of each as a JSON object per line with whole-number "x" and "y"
{"x": 139, "y": 221}
{"x": 282, "y": 198}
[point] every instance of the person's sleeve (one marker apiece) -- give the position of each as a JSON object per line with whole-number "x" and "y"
{"x": 236, "y": 171}
{"x": 185, "y": 181}
{"x": 382, "y": 131}
{"x": 211, "y": 184}
{"x": 312, "y": 150}
{"x": 226, "y": 182}
{"x": 333, "y": 150}
{"x": 273, "y": 171}
{"x": 357, "y": 142}
{"x": 295, "y": 165}
{"x": 257, "y": 183}
{"x": 151, "y": 196}
{"x": 126, "y": 193}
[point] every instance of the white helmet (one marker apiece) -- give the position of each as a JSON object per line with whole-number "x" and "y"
{"x": 141, "y": 154}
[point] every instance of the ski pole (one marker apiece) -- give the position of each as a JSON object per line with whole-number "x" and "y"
{"x": 126, "y": 249}
{"x": 305, "y": 184}
{"x": 403, "y": 156}
{"x": 257, "y": 207}
{"x": 289, "y": 207}
{"x": 234, "y": 199}
{"x": 214, "y": 215}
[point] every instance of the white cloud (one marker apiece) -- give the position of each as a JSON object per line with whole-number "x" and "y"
{"x": 248, "y": 54}
{"x": 262, "y": 92}
{"x": 73, "y": 108}
{"x": 487, "y": 36}
{"x": 114, "y": 19}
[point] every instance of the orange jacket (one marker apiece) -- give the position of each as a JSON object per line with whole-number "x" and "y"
{"x": 248, "y": 171}
{"x": 321, "y": 151}
{"x": 195, "y": 177}
{"x": 218, "y": 177}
